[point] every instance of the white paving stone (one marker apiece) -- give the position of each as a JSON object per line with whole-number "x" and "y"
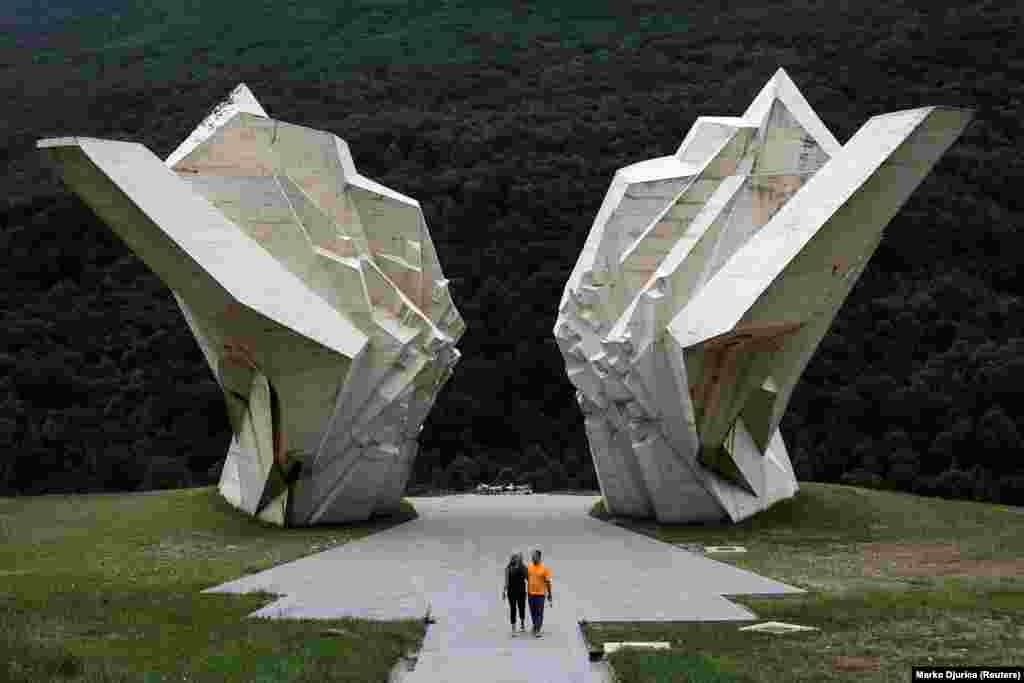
{"x": 777, "y": 627}
{"x": 614, "y": 647}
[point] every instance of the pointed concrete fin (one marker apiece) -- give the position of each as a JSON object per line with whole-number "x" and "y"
{"x": 276, "y": 511}
{"x": 240, "y": 99}
{"x": 256, "y": 457}
{"x": 780, "y": 87}
{"x": 246, "y": 101}
{"x": 230, "y": 485}
{"x": 646, "y": 253}
{"x": 345, "y": 160}
{"x": 758, "y": 412}
{"x": 737, "y": 502}
{"x": 707, "y": 136}
{"x": 189, "y": 244}
{"x": 275, "y": 487}
{"x": 787, "y": 146}
{"x": 241, "y": 146}
{"x": 852, "y": 179}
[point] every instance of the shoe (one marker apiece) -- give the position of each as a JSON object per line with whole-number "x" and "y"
{"x": 522, "y": 628}
{"x": 537, "y": 634}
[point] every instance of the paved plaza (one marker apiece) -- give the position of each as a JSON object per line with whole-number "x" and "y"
{"x": 451, "y": 559}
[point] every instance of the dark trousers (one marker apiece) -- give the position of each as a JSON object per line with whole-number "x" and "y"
{"x": 517, "y": 600}
{"x": 537, "y": 611}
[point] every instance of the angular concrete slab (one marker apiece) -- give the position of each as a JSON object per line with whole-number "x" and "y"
{"x": 450, "y": 560}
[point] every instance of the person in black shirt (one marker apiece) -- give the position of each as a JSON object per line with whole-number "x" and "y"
{"x": 515, "y": 590}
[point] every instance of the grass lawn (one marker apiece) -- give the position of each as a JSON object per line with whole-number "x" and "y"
{"x": 107, "y": 587}
{"x": 893, "y": 580}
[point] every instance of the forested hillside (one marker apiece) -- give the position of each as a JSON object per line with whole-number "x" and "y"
{"x": 507, "y": 123}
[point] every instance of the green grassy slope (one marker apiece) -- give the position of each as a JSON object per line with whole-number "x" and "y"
{"x": 107, "y": 587}
{"x": 893, "y": 580}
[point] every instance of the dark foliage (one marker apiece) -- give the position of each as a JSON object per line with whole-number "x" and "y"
{"x": 916, "y": 387}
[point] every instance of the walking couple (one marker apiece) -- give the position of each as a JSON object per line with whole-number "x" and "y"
{"x": 522, "y": 581}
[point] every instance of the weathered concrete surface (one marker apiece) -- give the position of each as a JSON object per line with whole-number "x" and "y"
{"x": 451, "y": 559}
{"x": 707, "y": 282}
{"x": 314, "y": 293}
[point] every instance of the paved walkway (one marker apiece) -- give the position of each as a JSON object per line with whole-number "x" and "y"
{"x": 451, "y": 560}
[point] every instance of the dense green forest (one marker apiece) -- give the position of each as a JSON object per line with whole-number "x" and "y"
{"x": 507, "y": 121}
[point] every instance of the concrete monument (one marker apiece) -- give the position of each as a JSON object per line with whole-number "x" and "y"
{"x": 706, "y": 283}
{"x": 314, "y": 293}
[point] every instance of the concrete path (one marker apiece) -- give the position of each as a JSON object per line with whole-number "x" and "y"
{"x": 450, "y": 560}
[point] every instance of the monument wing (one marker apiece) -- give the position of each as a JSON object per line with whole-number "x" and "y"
{"x": 706, "y": 283}
{"x": 314, "y": 293}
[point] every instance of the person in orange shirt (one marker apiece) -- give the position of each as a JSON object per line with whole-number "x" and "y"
{"x": 539, "y": 579}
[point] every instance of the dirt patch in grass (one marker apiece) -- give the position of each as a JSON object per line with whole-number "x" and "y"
{"x": 933, "y": 559}
{"x": 845, "y": 663}
{"x": 894, "y": 580}
{"x": 871, "y": 636}
{"x": 169, "y": 550}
